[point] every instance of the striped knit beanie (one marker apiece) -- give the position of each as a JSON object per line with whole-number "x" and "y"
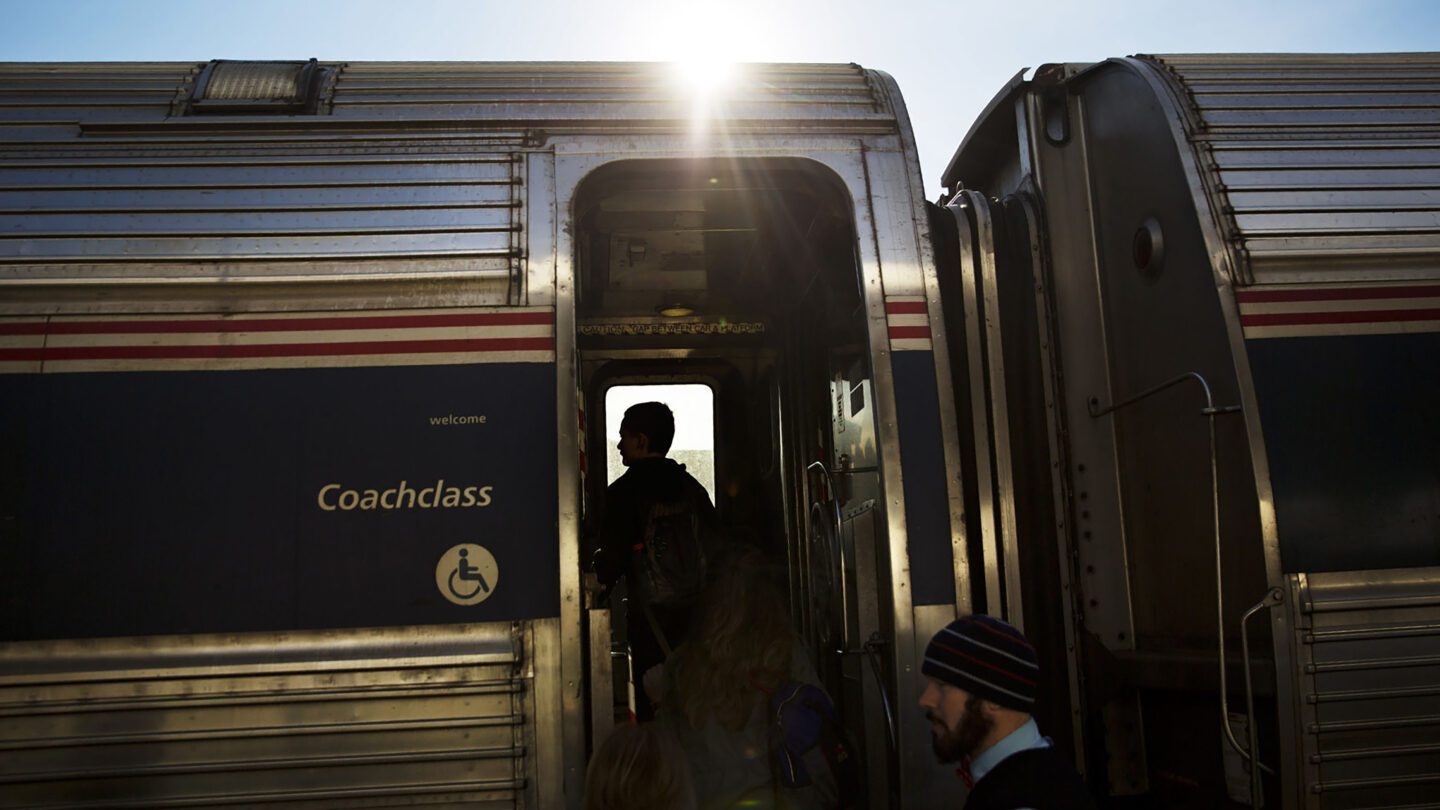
{"x": 985, "y": 657}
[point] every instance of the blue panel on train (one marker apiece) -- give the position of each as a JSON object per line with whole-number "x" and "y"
{"x": 184, "y": 502}
{"x": 922, "y": 461}
{"x": 1353, "y": 437}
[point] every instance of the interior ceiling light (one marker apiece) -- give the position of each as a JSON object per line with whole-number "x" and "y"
{"x": 675, "y": 310}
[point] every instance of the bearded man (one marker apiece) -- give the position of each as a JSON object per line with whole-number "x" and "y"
{"x": 981, "y": 675}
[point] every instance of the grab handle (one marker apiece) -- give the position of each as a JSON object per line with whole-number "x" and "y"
{"x": 1272, "y": 599}
{"x": 871, "y": 650}
{"x": 836, "y": 549}
{"x": 1209, "y": 412}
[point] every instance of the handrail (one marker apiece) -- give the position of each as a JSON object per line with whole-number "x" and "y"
{"x": 1210, "y": 412}
{"x": 871, "y": 648}
{"x": 837, "y": 549}
{"x": 1273, "y": 598}
{"x": 872, "y": 653}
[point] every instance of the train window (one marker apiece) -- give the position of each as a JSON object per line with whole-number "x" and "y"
{"x": 694, "y": 407}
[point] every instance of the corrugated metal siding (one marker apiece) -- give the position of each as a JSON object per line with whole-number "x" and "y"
{"x": 175, "y": 199}
{"x": 1325, "y": 167}
{"x": 1369, "y": 648}
{"x": 430, "y": 716}
{"x": 43, "y": 101}
{"x": 411, "y": 169}
{"x": 316, "y": 207}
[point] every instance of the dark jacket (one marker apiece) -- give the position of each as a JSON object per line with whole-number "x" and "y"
{"x": 622, "y": 528}
{"x": 627, "y": 506}
{"x": 1039, "y": 778}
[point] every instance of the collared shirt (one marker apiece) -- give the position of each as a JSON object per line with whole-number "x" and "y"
{"x": 1021, "y": 739}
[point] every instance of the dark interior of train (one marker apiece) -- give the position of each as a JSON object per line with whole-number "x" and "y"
{"x": 742, "y": 276}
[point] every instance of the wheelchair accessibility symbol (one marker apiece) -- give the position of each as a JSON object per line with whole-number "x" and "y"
{"x": 467, "y": 574}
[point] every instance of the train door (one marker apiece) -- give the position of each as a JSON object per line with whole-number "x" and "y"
{"x": 998, "y": 319}
{"x": 742, "y": 277}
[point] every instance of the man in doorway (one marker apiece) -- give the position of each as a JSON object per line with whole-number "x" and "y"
{"x": 981, "y": 675}
{"x": 652, "y": 485}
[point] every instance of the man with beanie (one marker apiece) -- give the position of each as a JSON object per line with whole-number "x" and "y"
{"x": 981, "y": 675}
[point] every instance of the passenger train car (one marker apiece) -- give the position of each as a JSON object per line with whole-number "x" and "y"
{"x": 289, "y": 517}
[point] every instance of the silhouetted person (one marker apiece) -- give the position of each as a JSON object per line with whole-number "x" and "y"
{"x": 652, "y": 484}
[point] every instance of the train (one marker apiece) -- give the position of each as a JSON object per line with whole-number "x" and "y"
{"x": 288, "y": 516}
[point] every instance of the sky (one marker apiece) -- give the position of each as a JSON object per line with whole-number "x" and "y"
{"x": 949, "y": 57}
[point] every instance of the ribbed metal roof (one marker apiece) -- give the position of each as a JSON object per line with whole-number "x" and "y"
{"x": 555, "y": 96}
{"x": 1327, "y": 167}
{"x": 589, "y": 91}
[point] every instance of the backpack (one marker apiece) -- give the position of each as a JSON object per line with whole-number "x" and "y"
{"x": 671, "y": 560}
{"x": 805, "y": 731}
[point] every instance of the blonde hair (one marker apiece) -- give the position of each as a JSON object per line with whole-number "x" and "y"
{"x": 639, "y": 768}
{"x": 740, "y": 644}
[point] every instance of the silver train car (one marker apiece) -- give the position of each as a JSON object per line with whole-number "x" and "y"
{"x": 279, "y": 343}
{"x": 1199, "y": 295}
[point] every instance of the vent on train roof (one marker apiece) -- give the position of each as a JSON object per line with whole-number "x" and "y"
{"x": 249, "y": 87}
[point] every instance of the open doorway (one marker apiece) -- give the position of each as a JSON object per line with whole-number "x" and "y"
{"x": 739, "y": 280}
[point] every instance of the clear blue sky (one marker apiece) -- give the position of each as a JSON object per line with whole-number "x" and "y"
{"x": 949, "y": 57}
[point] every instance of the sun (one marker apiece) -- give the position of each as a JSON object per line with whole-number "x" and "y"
{"x": 705, "y": 75}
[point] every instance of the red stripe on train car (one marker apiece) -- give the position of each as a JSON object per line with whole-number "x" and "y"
{"x": 53, "y": 353}
{"x": 1338, "y": 294}
{"x": 902, "y": 332}
{"x": 1358, "y": 316}
{"x": 279, "y": 324}
{"x": 906, "y": 307}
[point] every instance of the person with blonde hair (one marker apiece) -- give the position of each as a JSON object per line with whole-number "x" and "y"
{"x": 639, "y": 768}
{"x": 714, "y": 692}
